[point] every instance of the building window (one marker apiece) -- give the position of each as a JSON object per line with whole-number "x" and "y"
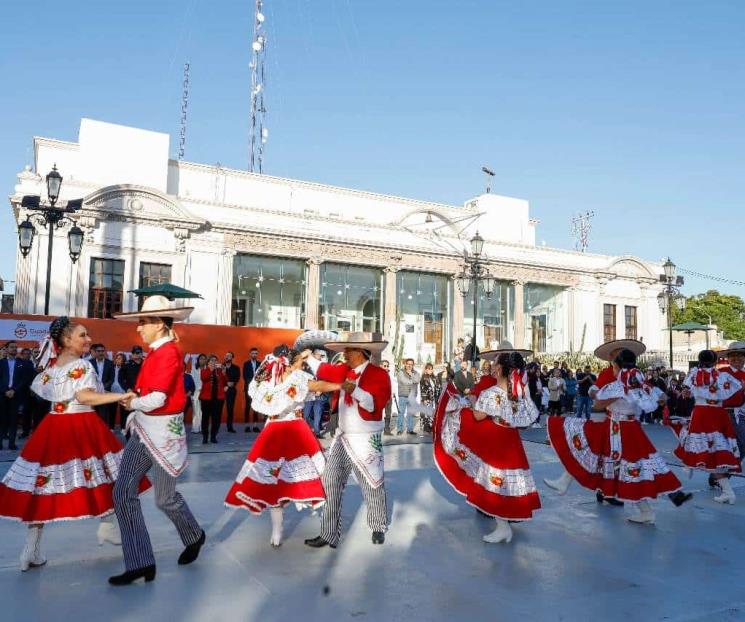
{"x": 630, "y": 313}
{"x": 494, "y": 318}
{"x": 268, "y": 292}
{"x": 350, "y": 298}
{"x": 546, "y": 318}
{"x": 423, "y": 317}
{"x": 105, "y": 288}
{"x": 153, "y": 274}
{"x": 609, "y": 323}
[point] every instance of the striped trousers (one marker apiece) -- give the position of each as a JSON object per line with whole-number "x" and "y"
{"x": 338, "y": 467}
{"x": 136, "y": 546}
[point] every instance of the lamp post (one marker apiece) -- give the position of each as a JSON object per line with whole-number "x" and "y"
{"x": 669, "y": 296}
{"x": 475, "y": 271}
{"x": 52, "y": 217}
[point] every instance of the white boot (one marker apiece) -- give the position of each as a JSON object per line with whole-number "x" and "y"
{"x": 108, "y": 531}
{"x": 728, "y": 495}
{"x": 645, "y": 514}
{"x": 503, "y": 533}
{"x": 560, "y": 484}
{"x": 277, "y": 515}
{"x": 31, "y": 556}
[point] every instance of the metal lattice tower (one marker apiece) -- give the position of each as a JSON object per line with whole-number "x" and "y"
{"x": 184, "y": 108}
{"x": 259, "y": 132}
{"x": 581, "y": 227}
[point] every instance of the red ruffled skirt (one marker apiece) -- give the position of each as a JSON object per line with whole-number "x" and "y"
{"x": 485, "y": 462}
{"x": 284, "y": 465}
{"x": 708, "y": 441}
{"x": 66, "y": 471}
{"x": 613, "y": 457}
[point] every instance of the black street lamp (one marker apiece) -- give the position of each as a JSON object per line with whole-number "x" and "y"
{"x": 52, "y": 217}
{"x": 475, "y": 271}
{"x": 669, "y": 296}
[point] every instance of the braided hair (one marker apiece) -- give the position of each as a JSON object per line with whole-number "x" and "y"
{"x": 511, "y": 361}
{"x": 59, "y": 328}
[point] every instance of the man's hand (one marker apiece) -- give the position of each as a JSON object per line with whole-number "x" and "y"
{"x": 126, "y": 400}
{"x": 231, "y": 385}
{"x": 348, "y": 386}
{"x": 10, "y": 393}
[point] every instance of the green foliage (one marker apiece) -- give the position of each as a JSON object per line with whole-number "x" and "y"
{"x": 575, "y": 360}
{"x": 726, "y": 311}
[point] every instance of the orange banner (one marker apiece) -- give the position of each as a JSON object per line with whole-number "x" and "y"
{"x": 194, "y": 339}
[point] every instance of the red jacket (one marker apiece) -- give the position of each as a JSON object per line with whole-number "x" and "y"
{"x": 162, "y": 371}
{"x": 375, "y": 380}
{"x": 738, "y": 399}
{"x": 206, "y": 391}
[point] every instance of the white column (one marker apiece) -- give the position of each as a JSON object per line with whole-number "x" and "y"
{"x": 389, "y": 311}
{"x": 458, "y": 315}
{"x": 519, "y": 314}
{"x": 312, "y": 290}
{"x": 224, "y": 287}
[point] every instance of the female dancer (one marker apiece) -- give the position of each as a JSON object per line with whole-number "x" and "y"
{"x": 196, "y": 403}
{"x": 286, "y": 461}
{"x": 67, "y": 469}
{"x": 619, "y": 461}
{"x": 709, "y": 442}
{"x": 479, "y": 451}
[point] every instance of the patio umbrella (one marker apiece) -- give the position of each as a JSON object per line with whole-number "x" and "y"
{"x": 168, "y": 290}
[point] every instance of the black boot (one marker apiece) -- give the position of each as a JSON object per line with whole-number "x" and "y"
{"x": 680, "y": 497}
{"x": 148, "y": 573}
{"x": 378, "y": 537}
{"x": 713, "y": 481}
{"x": 318, "y": 542}
{"x": 191, "y": 552}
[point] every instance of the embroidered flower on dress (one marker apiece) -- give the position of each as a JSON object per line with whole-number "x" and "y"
{"x": 577, "y": 441}
{"x": 45, "y": 378}
{"x": 460, "y": 453}
{"x": 274, "y": 471}
{"x": 76, "y": 373}
{"x": 615, "y": 455}
{"x": 634, "y": 471}
{"x": 727, "y": 386}
{"x": 292, "y": 391}
{"x": 615, "y": 427}
{"x": 496, "y": 480}
{"x": 268, "y": 398}
{"x": 59, "y": 407}
{"x": 42, "y": 480}
{"x": 87, "y": 474}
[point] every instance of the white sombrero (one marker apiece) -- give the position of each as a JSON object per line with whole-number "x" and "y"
{"x": 504, "y": 347}
{"x": 371, "y": 342}
{"x": 157, "y": 306}
{"x": 735, "y": 346}
{"x": 314, "y": 339}
{"x": 604, "y": 351}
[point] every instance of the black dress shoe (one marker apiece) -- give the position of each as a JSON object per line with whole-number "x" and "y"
{"x": 231, "y": 430}
{"x": 256, "y": 429}
{"x": 680, "y": 497}
{"x": 378, "y": 537}
{"x": 318, "y": 542}
{"x": 248, "y": 428}
{"x": 148, "y": 573}
{"x": 13, "y": 447}
{"x": 609, "y": 500}
{"x": 213, "y": 440}
{"x": 191, "y": 552}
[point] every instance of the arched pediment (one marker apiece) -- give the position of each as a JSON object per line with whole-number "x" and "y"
{"x": 140, "y": 204}
{"x": 432, "y": 216}
{"x": 630, "y": 267}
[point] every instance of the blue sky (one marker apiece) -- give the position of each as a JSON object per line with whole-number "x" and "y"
{"x": 633, "y": 109}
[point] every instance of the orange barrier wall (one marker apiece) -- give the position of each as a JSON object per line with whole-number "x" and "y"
{"x": 194, "y": 339}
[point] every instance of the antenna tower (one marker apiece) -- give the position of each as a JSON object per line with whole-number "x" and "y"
{"x": 581, "y": 227}
{"x": 184, "y": 108}
{"x": 259, "y": 131}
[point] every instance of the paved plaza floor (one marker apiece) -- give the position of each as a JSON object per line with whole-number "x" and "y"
{"x": 575, "y": 561}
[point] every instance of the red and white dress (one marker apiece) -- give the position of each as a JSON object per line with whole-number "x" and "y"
{"x": 485, "y": 460}
{"x": 708, "y": 440}
{"x": 614, "y": 456}
{"x": 67, "y": 469}
{"x": 286, "y": 462}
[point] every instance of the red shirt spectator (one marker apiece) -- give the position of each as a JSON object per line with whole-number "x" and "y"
{"x": 213, "y": 389}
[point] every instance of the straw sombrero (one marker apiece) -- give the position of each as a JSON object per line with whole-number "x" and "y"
{"x": 604, "y": 351}
{"x": 314, "y": 339}
{"x": 157, "y": 306}
{"x": 372, "y": 342}
{"x": 504, "y": 347}
{"x": 735, "y": 346}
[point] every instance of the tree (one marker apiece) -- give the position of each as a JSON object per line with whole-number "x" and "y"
{"x": 727, "y": 312}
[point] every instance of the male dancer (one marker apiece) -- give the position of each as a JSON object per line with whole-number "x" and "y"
{"x": 157, "y": 444}
{"x": 357, "y": 445}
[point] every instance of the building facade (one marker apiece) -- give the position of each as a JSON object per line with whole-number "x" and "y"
{"x": 266, "y": 251}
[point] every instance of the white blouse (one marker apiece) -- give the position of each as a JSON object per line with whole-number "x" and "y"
{"x": 59, "y": 384}
{"x": 713, "y": 394}
{"x": 283, "y": 399}
{"x": 505, "y": 411}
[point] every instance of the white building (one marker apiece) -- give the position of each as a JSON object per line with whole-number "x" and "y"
{"x": 265, "y": 251}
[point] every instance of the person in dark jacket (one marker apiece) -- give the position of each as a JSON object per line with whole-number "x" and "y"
{"x": 233, "y": 377}
{"x": 128, "y": 377}
{"x": 15, "y": 379}
{"x": 249, "y": 370}
{"x": 104, "y": 368}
